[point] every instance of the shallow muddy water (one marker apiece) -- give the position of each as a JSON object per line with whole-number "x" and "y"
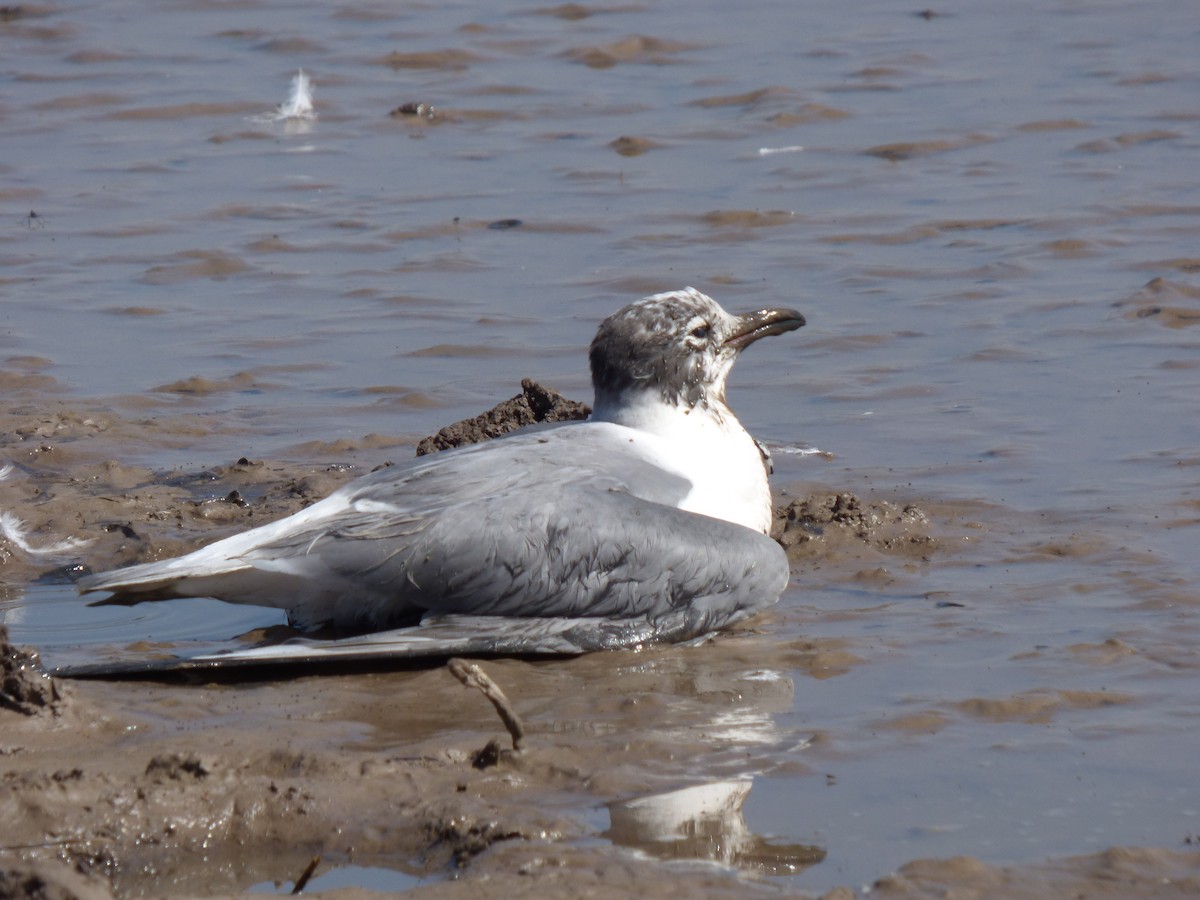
{"x": 989, "y": 215}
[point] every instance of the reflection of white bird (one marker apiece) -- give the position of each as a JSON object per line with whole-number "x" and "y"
{"x": 712, "y": 811}
{"x": 705, "y": 821}
{"x": 646, "y": 522}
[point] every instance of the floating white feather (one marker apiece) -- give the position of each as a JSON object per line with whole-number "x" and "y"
{"x": 299, "y": 104}
{"x": 13, "y": 531}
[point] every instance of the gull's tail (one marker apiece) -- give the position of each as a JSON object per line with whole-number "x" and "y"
{"x": 147, "y": 581}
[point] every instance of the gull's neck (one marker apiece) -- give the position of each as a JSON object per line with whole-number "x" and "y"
{"x": 648, "y": 411}
{"x": 706, "y": 444}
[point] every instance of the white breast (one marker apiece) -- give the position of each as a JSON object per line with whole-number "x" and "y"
{"x": 712, "y": 451}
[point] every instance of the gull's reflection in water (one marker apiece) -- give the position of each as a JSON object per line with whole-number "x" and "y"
{"x": 705, "y": 822}
{"x": 738, "y": 699}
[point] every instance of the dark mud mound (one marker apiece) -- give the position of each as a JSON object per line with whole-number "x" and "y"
{"x": 534, "y": 404}
{"x": 23, "y": 689}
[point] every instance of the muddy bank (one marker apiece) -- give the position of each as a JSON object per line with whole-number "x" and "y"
{"x": 212, "y": 787}
{"x": 145, "y": 789}
{"x": 209, "y": 787}
{"x": 206, "y": 790}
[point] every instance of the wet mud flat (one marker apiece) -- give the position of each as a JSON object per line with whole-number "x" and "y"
{"x": 209, "y": 785}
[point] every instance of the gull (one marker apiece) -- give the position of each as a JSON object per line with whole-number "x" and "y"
{"x": 648, "y": 522}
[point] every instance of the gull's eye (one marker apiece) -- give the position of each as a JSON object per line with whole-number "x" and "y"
{"x": 701, "y": 331}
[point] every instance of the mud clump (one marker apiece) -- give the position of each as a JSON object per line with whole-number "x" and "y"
{"x": 462, "y": 838}
{"x": 23, "y": 689}
{"x": 176, "y": 767}
{"x": 50, "y": 881}
{"x": 808, "y": 526}
{"x": 534, "y": 404}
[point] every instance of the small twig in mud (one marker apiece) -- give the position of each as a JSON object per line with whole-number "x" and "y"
{"x": 472, "y": 676}
{"x": 302, "y": 881}
{"x": 45, "y": 845}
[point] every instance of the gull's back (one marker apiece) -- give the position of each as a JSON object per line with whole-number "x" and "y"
{"x": 574, "y": 520}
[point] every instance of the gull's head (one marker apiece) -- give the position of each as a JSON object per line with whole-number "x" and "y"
{"x": 676, "y": 347}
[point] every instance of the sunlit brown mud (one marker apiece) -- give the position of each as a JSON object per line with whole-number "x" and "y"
{"x": 208, "y": 787}
{"x": 238, "y": 784}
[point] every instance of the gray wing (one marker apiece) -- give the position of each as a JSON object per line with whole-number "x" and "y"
{"x": 571, "y": 563}
{"x": 539, "y": 526}
{"x": 656, "y": 575}
{"x": 565, "y": 523}
{"x": 565, "y": 551}
{"x": 318, "y": 566}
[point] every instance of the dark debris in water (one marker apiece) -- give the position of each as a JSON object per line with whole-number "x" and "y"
{"x": 416, "y": 110}
{"x": 628, "y": 145}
